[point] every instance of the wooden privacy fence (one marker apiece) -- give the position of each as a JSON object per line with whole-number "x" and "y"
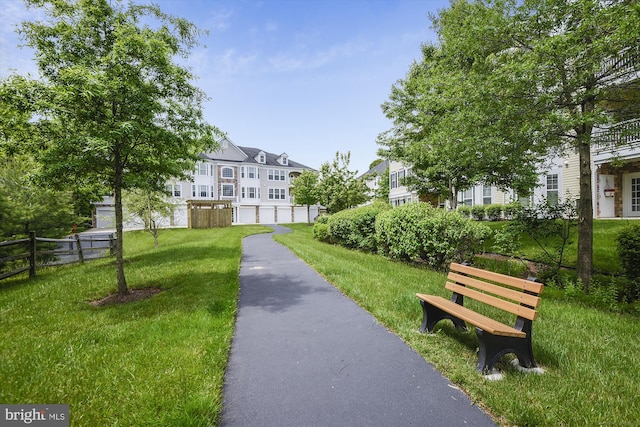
{"x": 17, "y": 256}
{"x": 208, "y": 213}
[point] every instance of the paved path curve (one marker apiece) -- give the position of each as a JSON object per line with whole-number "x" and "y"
{"x": 303, "y": 354}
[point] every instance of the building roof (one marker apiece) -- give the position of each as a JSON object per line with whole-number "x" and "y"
{"x": 272, "y": 159}
{"x": 231, "y": 152}
{"x": 377, "y": 169}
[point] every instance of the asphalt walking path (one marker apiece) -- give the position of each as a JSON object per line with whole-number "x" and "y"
{"x": 303, "y": 354}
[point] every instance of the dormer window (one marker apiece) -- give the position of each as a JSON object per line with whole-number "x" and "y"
{"x": 283, "y": 160}
{"x": 262, "y": 157}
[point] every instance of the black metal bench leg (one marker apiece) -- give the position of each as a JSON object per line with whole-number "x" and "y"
{"x": 432, "y": 315}
{"x": 492, "y": 348}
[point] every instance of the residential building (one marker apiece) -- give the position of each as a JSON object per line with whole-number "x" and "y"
{"x": 399, "y": 192}
{"x": 255, "y": 181}
{"x": 615, "y": 161}
{"x": 373, "y": 177}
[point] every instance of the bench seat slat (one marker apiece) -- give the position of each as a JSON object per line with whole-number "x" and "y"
{"x": 485, "y": 323}
{"x": 514, "y": 282}
{"x": 512, "y": 294}
{"x": 518, "y": 310}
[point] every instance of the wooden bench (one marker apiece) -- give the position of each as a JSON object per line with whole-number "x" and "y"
{"x": 495, "y": 339}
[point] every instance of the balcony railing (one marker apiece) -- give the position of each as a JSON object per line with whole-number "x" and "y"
{"x": 618, "y": 135}
{"x": 628, "y": 62}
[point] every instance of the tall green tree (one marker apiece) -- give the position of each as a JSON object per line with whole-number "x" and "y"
{"x": 304, "y": 190}
{"x": 113, "y": 104}
{"x": 444, "y": 130}
{"x": 568, "y": 60}
{"x": 534, "y": 78}
{"x": 27, "y": 206}
{"x": 338, "y": 187}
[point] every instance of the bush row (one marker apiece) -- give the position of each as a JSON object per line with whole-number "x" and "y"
{"x": 413, "y": 232}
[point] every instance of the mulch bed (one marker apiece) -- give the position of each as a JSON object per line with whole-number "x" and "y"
{"x": 133, "y": 295}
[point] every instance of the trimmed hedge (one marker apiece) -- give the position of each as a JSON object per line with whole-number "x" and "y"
{"x": 355, "y": 228}
{"x": 419, "y": 232}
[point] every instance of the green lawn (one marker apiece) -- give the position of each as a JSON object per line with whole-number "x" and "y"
{"x": 590, "y": 356}
{"x": 159, "y": 361}
{"x": 605, "y": 257}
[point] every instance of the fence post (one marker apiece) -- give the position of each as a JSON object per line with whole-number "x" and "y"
{"x": 32, "y": 254}
{"x": 80, "y": 256}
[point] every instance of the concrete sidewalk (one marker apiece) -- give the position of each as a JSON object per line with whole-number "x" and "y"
{"x": 303, "y": 354}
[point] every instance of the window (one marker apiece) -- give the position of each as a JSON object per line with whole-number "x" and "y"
{"x": 285, "y": 160}
{"x": 177, "y": 191}
{"x": 552, "y": 189}
{"x": 251, "y": 172}
{"x": 203, "y": 190}
{"x": 262, "y": 158}
{"x": 277, "y": 194}
{"x": 227, "y": 172}
{"x": 467, "y": 197}
{"x": 193, "y": 190}
{"x": 213, "y": 192}
{"x": 393, "y": 180}
{"x": 277, "y": 175}
{"x": 635, "y": 195}
{"x": 486, "y": 194}
{"x": 227, "y": 190}
{"x": 202, "y": 168}
{"x": 250, "y": 193}
{"x": 401, "y": 176}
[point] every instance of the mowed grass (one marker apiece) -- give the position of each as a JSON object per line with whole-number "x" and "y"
{"x": 605, "y": 255}
{"x": 159, "y": 361}
{"x": 590, "y": 357}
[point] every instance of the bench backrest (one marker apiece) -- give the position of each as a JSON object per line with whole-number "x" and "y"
{"x": 512, "y": 294}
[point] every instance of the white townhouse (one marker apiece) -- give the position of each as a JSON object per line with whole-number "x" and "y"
{"x": 256, "y": 182}
{"x": 615, "y": 174}
{"x": 373, "y": 177}
{"x": 615, "y": 163}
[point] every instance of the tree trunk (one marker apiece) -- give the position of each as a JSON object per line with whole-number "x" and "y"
{"x": 122, "y": 282}
{"x": 585, "y": 210}
{"x": 453, "y": 197}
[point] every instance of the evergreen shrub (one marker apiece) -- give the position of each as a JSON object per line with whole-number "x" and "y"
{"x": 419, "y": 232}
{"x": 494, "y": 212}
{"x": 355, "y": 228}
{"x": 321, "y": 229}
{"x": 629, "y": 252}
{"x": 477, "y": 212}
{"x": 465, "y": 211}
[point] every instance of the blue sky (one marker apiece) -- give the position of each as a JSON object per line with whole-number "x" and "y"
{"x": 302, "y": 77}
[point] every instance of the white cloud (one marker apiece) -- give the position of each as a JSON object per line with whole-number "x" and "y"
{"x": 219, "y": 20}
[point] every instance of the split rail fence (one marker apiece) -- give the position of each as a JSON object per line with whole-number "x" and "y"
{"x": 21, "y": 255}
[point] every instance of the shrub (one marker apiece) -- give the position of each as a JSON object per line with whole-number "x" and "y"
{"x": 629, "y": 252}
{"x": 477, "y": 212}
{"x": 419, "y": 232}
{"x": 321, "y": 229}
{"x": 494, "y": 212}
{"x": 511, "y": 209}
{"x": 465, "y": 211}
{"x": 355, "y": 228}
{"x": 321, "y": 232}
